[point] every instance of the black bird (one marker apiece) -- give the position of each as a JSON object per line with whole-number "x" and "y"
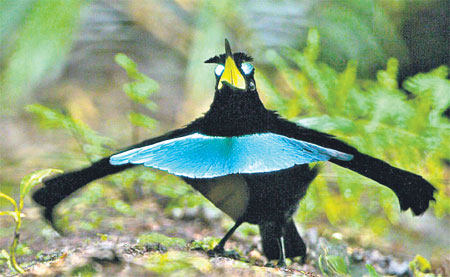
{"x": 247, "y": 160}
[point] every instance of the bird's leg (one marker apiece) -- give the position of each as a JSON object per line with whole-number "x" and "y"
{"x": 279, "y": 234}
{"x": 219, "y": 249}
{"x": 282, "y": 260}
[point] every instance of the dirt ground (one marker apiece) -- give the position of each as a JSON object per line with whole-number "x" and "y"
{"x": 108, "y": 250}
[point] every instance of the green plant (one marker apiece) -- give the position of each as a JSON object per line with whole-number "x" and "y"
{"x": 421, "y": 267}
{"x": 372, "y": 271}
{"x": 92, "y": 145}
{"x": 332, "y": 264}
{"x": 139, "y": 91}
{"x": 160, "y": 238}
{"x": 206, "y": 243}
{"x": 95, "y": 146}
{"x": 27, "y": 183}
{"x": 183, "y": 263}
{"x": 377, "y": 117}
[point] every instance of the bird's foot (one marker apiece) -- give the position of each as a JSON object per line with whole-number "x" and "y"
{"x": 220, "y": 251}
{"x": 280, "y": 264}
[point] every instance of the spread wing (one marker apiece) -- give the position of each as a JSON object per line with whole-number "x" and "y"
{"x": 58, "y": 188}
{"x": 411, "y": 189}
{"x": 201, "y": 156}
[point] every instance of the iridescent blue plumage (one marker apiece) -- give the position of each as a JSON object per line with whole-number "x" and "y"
{"x": 201, "y": 156}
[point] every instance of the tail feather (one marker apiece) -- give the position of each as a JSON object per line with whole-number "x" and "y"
{"x": 293, "y": 243}
{"x": 412, "y": 190}
{"x": 58, "y": 188}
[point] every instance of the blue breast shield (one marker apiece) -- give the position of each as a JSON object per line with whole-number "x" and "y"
{"x": 201, "y": 156}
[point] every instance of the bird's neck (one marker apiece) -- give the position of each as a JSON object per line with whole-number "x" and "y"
{"x": 235, "y": 113}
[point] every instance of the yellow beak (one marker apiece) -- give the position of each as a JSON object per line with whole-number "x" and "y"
{"x": 231, "y": 74}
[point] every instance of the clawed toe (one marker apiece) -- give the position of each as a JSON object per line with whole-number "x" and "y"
{"x": 280, "y": 264}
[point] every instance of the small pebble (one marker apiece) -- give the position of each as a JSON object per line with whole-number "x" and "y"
{"x": 177, "y": 213}
{"x": 396, "y": 268}
{"x": 337, "y": 236}
{"x": 312, "y": 235}
{"x": 191, "y": 212}
{"x": 376, "y": 257}
{"x": 358, "y": 255}
{"x": 211, "y": 215}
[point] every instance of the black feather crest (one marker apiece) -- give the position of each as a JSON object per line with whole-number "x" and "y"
{"x": 239, "y": 57}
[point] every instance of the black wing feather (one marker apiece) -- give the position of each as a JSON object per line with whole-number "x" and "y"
{"x": 411, "y": 189}
{"x": 60, "y": 187}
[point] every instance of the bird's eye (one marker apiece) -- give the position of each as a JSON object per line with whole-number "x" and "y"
{"x": 219, "y": 70}
{"x": 247, "y": 68}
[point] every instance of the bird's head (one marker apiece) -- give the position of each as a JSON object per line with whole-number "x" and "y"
{"x": 236, "y": 109}
{"x": 233, "y": 71}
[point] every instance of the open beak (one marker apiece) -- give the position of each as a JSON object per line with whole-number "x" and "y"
{"x": 231, "y": 75}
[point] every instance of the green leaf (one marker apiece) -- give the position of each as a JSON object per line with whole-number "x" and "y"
{"x": 10, "y": 199}
{"x": 128, "y": 64}
{"x": 143, "y": 87}
{"x": 33, "y": 179}
{"x": 121, "y": 207}
{"x": 325, "y": 123}
{"x": 312, "y": 45}
{"x": 92, "y": 144}
{"x": 10, "y": 213}
{"x": 162, "y": 239}
{"x": 4, "y": 255}
{"x": 23, "y": 249}
{"x": 388, "y": 78}
{"x": 420, "y": 265}
{"x": 205, "y": 243}
{"x": 320, "y": 263}
{"x": 434, "y": 85}
{"x": 48, "y": 118}
{"x": 141, "y": 120}
{"x": 103, "y": 237}
{"x": 371, "y": 270}
{"x": 248, "y": 229}
{"x": 337, "y": 264}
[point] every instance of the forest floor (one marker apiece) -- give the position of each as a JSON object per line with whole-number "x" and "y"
{"x": 153, "y": 242}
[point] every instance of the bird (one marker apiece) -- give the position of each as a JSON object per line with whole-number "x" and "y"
{"x": 251, "y": 163}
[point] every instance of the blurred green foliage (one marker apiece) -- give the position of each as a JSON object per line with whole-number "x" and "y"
{"x": 130, "y": 184}
{"x": 153, "y": 237}
{"x": 92, "y": 145}
{"x": 206, "y": 243}
{"x": 379, "y": 118}
{"x": 35, "y": 37}
{"x": 139, "y": 90}
{"x": 358, "y": 30}
{"x": 372, "y": 271}
{"x": 181, "y": 263}
{"x": 421, "y": 267}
